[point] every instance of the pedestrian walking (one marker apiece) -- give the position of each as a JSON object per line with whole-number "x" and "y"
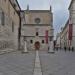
{"x": 69, "y": 48}
{"x": 65, "y": 49}
{"x": 72, "y": 49}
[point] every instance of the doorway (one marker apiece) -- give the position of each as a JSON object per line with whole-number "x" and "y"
{"x": 37, "y": 45}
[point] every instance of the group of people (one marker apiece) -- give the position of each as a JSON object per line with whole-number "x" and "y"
{"x": 65, "y": 49}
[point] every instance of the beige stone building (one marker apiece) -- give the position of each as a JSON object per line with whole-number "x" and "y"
{"x": 58, "y": 40}
{"x": 63, "y": 38}
{"x": 9, "y": 24}
{"x": 67, "y": 36}
{"x": 35, "y": 25}
{"x": 72, "y": 16}
{"x": 64, "y": 41}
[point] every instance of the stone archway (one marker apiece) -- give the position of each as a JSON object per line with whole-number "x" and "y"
{"x": 37, "y": 45}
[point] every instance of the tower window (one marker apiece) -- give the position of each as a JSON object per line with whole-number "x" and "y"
{"x": 37, "y": 34}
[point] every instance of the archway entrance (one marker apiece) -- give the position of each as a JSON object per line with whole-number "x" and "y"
{"x": 37, "y": 45}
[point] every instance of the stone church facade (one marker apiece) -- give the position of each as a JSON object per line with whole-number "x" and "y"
{"x": 9, "y": 24}
{"x": 35, "y": 25}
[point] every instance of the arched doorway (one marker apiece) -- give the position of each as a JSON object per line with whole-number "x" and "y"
{"x": 37, "y": 45}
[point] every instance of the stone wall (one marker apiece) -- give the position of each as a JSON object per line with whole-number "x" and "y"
{"x": 6, "y": 44}
{"x": 9, "y": 29}
{"x": 6, "y": 34}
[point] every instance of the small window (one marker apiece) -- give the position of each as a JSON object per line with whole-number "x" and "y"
{"x": 31, "y": 41}
{"x": 37, "y": 34}
{"x": 14, "y": 5}
{"x": 3, "y": 19}
{"x": 43, "y": 41}
{"x": 12, "y": 26}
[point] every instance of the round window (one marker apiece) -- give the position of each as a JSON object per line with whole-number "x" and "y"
{"x": 37, "y": 20}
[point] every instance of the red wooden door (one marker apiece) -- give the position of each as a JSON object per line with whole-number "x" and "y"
{"x": 37, "y": 45}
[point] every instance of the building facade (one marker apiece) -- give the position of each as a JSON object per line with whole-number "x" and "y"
{"x": 36, "y": 28}
{"x": 63, "y": 40}
{"x": 64, "y": 36}
{"x": 9, "y": 24}
{"x": 72, "y": 16}
{"x": 58, "y": 40}
{"x": 67, "y": 36}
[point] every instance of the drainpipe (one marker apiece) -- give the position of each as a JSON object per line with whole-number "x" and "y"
{"x": 19, "y": 31}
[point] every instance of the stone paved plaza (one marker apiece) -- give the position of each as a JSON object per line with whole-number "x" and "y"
{"x": 16, "y": 63}
{"x": 60, "y": 63}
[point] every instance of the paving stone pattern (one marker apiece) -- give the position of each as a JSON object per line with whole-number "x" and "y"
{"x": 60, "y": 63}
{"x": 17, "y": 63}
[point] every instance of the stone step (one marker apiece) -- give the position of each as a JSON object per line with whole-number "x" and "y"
{"x": 6, "y": 51}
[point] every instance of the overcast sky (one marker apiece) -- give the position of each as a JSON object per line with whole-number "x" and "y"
{"x": 59, "y": 8}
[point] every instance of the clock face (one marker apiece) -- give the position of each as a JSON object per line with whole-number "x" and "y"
{"x": 37, "y": 20}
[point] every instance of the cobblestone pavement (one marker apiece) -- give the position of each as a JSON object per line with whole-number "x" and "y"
{"x": 16, "y": 63}
{"x": 60, "y": 63}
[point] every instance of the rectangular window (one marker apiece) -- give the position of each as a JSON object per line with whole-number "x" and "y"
{"x": 31, "y": 41}
{"x": 37, "y": 34}
{"x": 43, "y": 41}
{"x": 14, "y": 5}
{"x": 12, "y": 26}
{"x": 2, "y": 18}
